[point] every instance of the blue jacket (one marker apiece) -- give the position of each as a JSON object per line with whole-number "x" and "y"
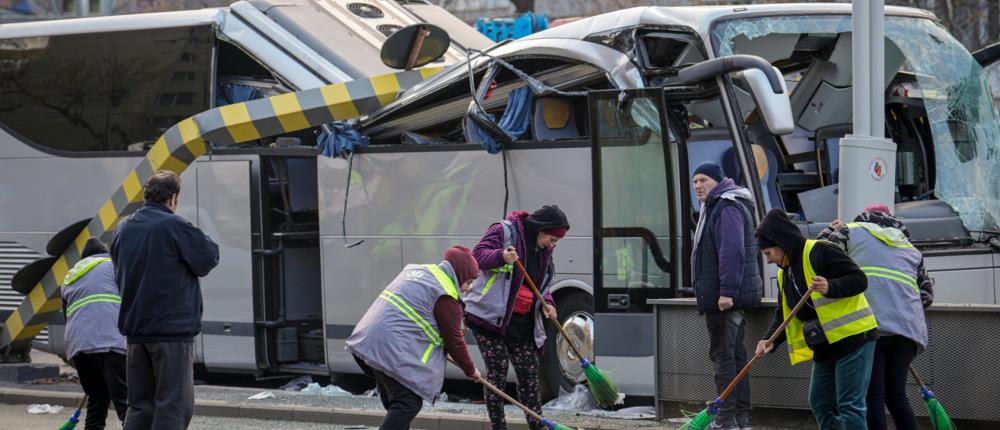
{"x": 158, "y": 258}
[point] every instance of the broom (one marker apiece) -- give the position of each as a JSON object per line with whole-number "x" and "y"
{"x": 602, "y": 387}
{"x": 549, "y": 424}
{"x": 705, "y": 417}
{"x": 70, "y": 424}
{"x": 939, "y": 418}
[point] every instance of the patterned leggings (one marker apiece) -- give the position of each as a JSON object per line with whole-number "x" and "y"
{"x": 524, "y": 356}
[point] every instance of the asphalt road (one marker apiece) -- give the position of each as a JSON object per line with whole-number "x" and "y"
{"x": 16, "y": 417}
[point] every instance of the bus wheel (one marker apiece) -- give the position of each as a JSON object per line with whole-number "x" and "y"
{"x": 560, "y": 368}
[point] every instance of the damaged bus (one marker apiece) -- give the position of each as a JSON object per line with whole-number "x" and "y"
{"x": 604, "y": 116}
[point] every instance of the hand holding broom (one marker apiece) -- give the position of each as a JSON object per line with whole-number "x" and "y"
{"x": 549, "y": 424}
{"x": 602, "y": 387}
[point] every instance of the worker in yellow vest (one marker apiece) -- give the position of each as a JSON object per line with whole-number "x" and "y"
{"x": 836, "y": 328}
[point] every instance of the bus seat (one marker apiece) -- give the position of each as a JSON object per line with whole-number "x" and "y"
{"x": 767, "y": 173}
{"x": 833, "y": 157}
{"x": 554, "y": 118}
{"x": 703, "y": 145}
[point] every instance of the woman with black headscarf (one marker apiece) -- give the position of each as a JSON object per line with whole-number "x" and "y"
{"x": 501, "y": 309}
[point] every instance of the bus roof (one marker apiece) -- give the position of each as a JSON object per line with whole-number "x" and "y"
{"x": 699, "y": 18}
{"x": 97, "y": 24}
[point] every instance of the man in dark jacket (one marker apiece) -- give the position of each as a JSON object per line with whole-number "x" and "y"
{"x": 726, "y": 281}
{"x": 158, "y": 258}
{"x": 835, "y": 328}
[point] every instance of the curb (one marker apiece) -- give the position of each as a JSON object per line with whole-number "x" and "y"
{"x": 341, "y": 416}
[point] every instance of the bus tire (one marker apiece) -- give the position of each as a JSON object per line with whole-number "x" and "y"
{"x": 571, "y": 304}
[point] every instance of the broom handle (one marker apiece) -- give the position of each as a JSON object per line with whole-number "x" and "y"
{"x": 504, "y": 395}
{"x": 917, "y": 377}
{"x": 770, "y": 341}
{"x": 531, "y": 284}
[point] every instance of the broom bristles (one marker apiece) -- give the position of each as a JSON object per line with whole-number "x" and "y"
{"x": 70, "y": 424}
{"x": 698, "y": 422}
{"x": 552, "y": 425}
{"x": 939, "y": 418}
{"x": 602, "y": 386}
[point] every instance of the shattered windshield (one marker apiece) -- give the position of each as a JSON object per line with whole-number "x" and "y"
{"x": 962, "y": 116}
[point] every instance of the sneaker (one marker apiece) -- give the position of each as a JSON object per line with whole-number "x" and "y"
{"x": 744, "y": 422}
{"x": 724, "y": 424}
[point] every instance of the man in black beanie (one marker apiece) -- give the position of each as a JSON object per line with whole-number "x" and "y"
{"x": 727, "y": 281}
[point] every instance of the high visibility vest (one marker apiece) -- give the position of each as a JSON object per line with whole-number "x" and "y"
{"x": 487, "y": 297}
{"x": 890, "y": 261}
{"x": 92, "y": 303}
{"x": 399, "y": 335}
{"x": 839, "y": 318}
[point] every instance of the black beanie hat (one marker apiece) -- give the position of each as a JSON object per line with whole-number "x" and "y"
{"x": 710, "y": 169}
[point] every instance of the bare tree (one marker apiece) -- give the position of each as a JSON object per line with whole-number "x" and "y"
{"x": 522, "y": 6}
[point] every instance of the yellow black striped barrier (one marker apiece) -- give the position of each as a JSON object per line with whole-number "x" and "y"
{"x": 185, "y": 142}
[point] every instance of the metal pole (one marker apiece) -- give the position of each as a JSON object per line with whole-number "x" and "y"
{"x": 876, "y": 17}
{"x": 82, "y": 7}
{"x": 860, "y": 21}
{"x": 867, "y": 159}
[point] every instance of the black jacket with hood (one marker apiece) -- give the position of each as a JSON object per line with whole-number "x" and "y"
{"x": 829, "y": 261}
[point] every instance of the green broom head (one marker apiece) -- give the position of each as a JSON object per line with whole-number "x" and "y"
{"x": 70, "y": 424}
{"x": 939, "y": 418}
{"x": 602, "y": 387}
{"x": 552, "y": 425}
{"x": 704, "y": 418}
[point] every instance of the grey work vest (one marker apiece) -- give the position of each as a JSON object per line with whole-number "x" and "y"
{"x": 890, "y": 262}
{"x": 91, "y": 300}
{"x": 488, "y": 296}
{"x": 399, "y": 336}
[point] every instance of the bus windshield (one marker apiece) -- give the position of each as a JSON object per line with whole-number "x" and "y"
{"x": 939, "y": 108}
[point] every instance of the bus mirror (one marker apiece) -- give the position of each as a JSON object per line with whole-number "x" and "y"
{"x": 774, "y": 107}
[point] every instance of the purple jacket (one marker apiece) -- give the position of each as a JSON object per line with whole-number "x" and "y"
{"x": 728, "y": 239}
{"x": 489, "y": 255}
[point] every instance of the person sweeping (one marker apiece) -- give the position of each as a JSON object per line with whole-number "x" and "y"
{"x": 898, "y": 290}
{"x": 91, "y": 304}
{"x": 503, "y": 312}
{"x": 835, "y": 328}
{"x": 403, "y": 339}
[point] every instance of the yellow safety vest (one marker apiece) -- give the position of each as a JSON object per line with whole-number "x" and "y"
{"x": 839, "y": 318}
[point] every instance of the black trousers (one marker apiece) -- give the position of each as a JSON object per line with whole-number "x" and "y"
{"x": 893, "y": 355}
{"x": 161, "y": 386}
{"x": 729, "y": 355}
{"x": 102, "y": 376}
{"x": 401, "y": 404}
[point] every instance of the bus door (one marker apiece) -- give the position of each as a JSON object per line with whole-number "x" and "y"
{"x": 224, "y": 205}
{"x": 635, "y": 239}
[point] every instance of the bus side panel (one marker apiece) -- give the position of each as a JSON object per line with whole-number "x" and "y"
{"x": 966, "y": 278}
{"x": 352, "y": 279}
{"x": 409, "y": 207}
{"x": 223, "y": 212}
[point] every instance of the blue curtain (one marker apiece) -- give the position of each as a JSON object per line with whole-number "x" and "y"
{"x": 339, "y": 139}
{"x": 514, "y": 122}
{"x": 228, "y": 94}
